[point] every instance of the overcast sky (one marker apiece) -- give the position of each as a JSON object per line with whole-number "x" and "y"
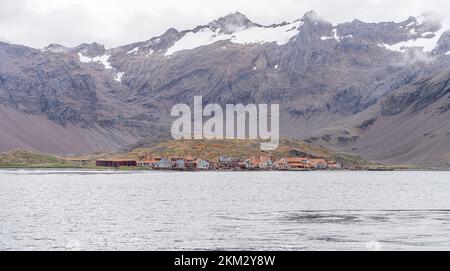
{"x": 115, "y": 22}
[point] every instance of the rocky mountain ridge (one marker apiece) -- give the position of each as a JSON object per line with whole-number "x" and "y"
{"x": 337, "y": 85}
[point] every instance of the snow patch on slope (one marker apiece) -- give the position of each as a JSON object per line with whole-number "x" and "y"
{"x": 193, "y": 40}
{"x": 427, "y": 44}
{"x": 335, "y": 36}
{"x": 119, "y": 76}
{"x": 104, "y": 60}
{"x": 280, "y": 34}
{"x": 134, "y": 51}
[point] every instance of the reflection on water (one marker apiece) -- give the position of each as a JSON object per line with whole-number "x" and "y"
{"x": 78, "y": 210}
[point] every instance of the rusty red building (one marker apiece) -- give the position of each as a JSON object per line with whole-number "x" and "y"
{"x": 116, "y": 163}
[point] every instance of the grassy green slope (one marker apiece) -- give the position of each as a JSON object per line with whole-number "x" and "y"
{"x": 28, "y": 159}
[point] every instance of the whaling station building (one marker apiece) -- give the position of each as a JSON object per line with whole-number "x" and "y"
{"x": 225, "y": 163}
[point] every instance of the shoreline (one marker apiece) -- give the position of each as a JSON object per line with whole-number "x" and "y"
{"x": 87, "y": 169}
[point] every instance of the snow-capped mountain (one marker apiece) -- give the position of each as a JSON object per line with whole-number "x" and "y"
{"x": 237, "y": 29}
{"x": 370, "y": 88}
